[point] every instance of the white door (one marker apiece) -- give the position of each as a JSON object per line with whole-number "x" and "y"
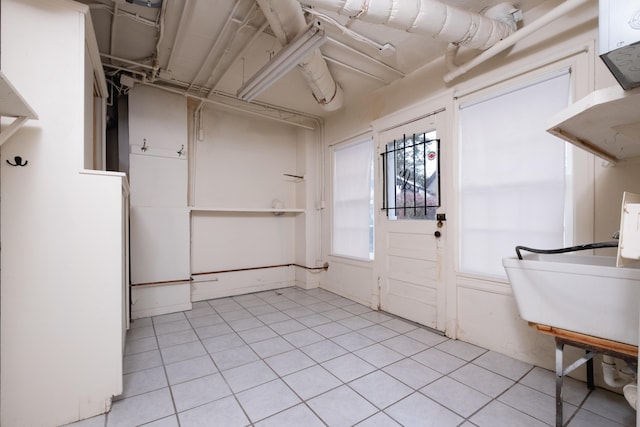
{"x": 411, "y": 231}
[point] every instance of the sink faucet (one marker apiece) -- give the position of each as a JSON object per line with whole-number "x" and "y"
{"x": 616, "y": 235}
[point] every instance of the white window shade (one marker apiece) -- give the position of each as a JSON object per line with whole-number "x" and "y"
{"x": 351, "y": 199}
{"x": 512, "y": 175}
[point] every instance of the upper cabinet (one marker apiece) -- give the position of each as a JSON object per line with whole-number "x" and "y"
{"x": 606, "y": 123}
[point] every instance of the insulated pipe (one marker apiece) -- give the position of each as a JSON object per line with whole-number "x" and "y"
{"x": 430, "y": 18}
{"x": 287, "y": 20}
{"x": 501, "y": 45}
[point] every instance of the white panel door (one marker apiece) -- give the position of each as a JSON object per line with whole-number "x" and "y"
{"x": 410, "y": 248}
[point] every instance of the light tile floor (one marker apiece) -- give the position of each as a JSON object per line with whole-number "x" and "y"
{"x": 312, "y": 358}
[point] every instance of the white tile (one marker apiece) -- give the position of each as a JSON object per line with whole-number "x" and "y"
{"x": 178, "y": 353}
{"x": 171, "y": 317}
{"x": 214, "y": 330}
{"x": 176, "y": 338}
{"x": 189, "y": 369}
{"x": 426, "y": 337}
{"x": 170, "y": 327}
{"x": 341, "y": 407}
{"x": 197, "y": 392}
{"x": 544, "y": 380}
{"x": 287, "y": 326}
{"x": 247, "y": 376}
{"x": 482, "y": 380}
{"x": 298, "y": 312}
{"x": 260, "y": 310}
{"x": 257, "y": 334}
{"x": 140, "y": 409}
{"x": 299, "y": 415}
{"x": 356, "y": 322}
{"x": 273, "y": 317}
{"x": 535, "y": 403}
{"x": 312, "y": 381}
{"x": 348, "y": 367}
{"x": 199, "y": 311}
{"x": 208, "y": 320}
{"x": 404, "y": 345}
{"x": 332, "y": 329}
{"x": 399, "y": 325}
{"x": 377, "y": 332}
{"x": 171, "y": 421}
{"x": 143, "y": 381}
{"x": 141, "y": 361}
{"x": 224, "y": 412}
{"x": 379, "y": 355}
{"x": 138, "y": 323}
{"x": 376, "y": 316}
{"x": 323, "y": 350}
{"x": 234, "y": 357}
{"x": 584, "y": 418}
{"x": 244, "y": 324}
{"x": 321, "y": 307}
{"x": 226, "y": 305}
{"x": 352, "y": 341}
{"x": 223, "y": 342}
{"x": 357, "y": 309}
{"x": 233, "y": 315}
{"x": 313, "y": 320}
{"x": 438, "y": 360}
{"x": 418, "y": 410}
{"x": 271, "y": 347}
{"x": 378, "y": 420}
{"x": 610, "y": 405}
{"x": 98, "y": 421}
{"x": 302, "y": 338}
{"x": 140, "y": 345}
{"x": 336, "y": 314}
{"x": 286, "y": 305}
{"x": 412, "y": 373}
{"x": 461, "y": 349}
{"x": 289, "y": 362}
{"x": 503, "y": 365}
{"x": 267, "y": 399}
{"x": 497, "y": 414}
{"x": 456, "y": 396}
{"x": 380, "y": 389}
{"x": 141, "y": 332}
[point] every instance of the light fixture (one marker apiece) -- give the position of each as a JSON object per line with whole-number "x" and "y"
{"x": 287, "y": 58}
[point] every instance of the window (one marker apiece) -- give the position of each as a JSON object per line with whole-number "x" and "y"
{"x": 353, "y": 200}
{"x": 512, "y": 174}
{"x": 411, "y": 171}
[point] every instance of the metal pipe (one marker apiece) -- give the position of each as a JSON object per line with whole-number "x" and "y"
{"x": 127, "y": 61}
{"x": 364, "y": 55}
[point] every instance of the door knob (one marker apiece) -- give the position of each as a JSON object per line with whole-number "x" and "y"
{"x": 437, "y": 233}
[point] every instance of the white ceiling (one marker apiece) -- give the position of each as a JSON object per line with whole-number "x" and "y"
{"x": 219, "y": 47}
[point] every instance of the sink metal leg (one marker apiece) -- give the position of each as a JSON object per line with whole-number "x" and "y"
{"x": 559, "y": 375}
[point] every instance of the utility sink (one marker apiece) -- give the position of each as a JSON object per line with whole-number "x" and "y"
{"x": 580, "y": 293}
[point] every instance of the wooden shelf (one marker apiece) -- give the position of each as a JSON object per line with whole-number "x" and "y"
{"x": 244, "y": 210}
{"x": 13, "y": 105}
{"x": 605, "y": 123}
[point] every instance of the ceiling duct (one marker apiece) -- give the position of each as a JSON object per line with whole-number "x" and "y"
{"x": 431, "y": 18}
{"x": 287, "y": 21}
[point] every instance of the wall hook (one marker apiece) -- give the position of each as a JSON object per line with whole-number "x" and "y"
{"x": 18, "y": 161}
{"x": 180, "y": 150}
{"x": 144, "y": 147}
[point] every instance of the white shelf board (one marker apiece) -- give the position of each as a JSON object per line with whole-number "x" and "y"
{"x": 605, "y": 123}
{"x": 243, "y": 210}
{"x": 13, "y": 105}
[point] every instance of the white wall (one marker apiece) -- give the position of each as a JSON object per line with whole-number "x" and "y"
{"x": 479, "y": 310}
{"x": 238, "y": 173}
{"x": 61, "y": 261}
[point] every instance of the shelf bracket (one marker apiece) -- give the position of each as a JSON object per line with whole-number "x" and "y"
{"x": 12, "y": 128}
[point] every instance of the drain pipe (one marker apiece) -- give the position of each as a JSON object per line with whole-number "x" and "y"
{"x": 613, "y": 376}
{"x": 287, "y": 20}
{"x": 501, "y": 45}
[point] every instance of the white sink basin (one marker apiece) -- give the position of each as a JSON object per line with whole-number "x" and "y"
{"x": 580, "y": 293}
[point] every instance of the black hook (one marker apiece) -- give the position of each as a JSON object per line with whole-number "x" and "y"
{"x": 18, "y": 161}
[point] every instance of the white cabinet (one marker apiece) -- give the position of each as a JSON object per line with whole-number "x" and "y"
{"x": 160, "y": 269}
{"x": 63, "y": 228}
